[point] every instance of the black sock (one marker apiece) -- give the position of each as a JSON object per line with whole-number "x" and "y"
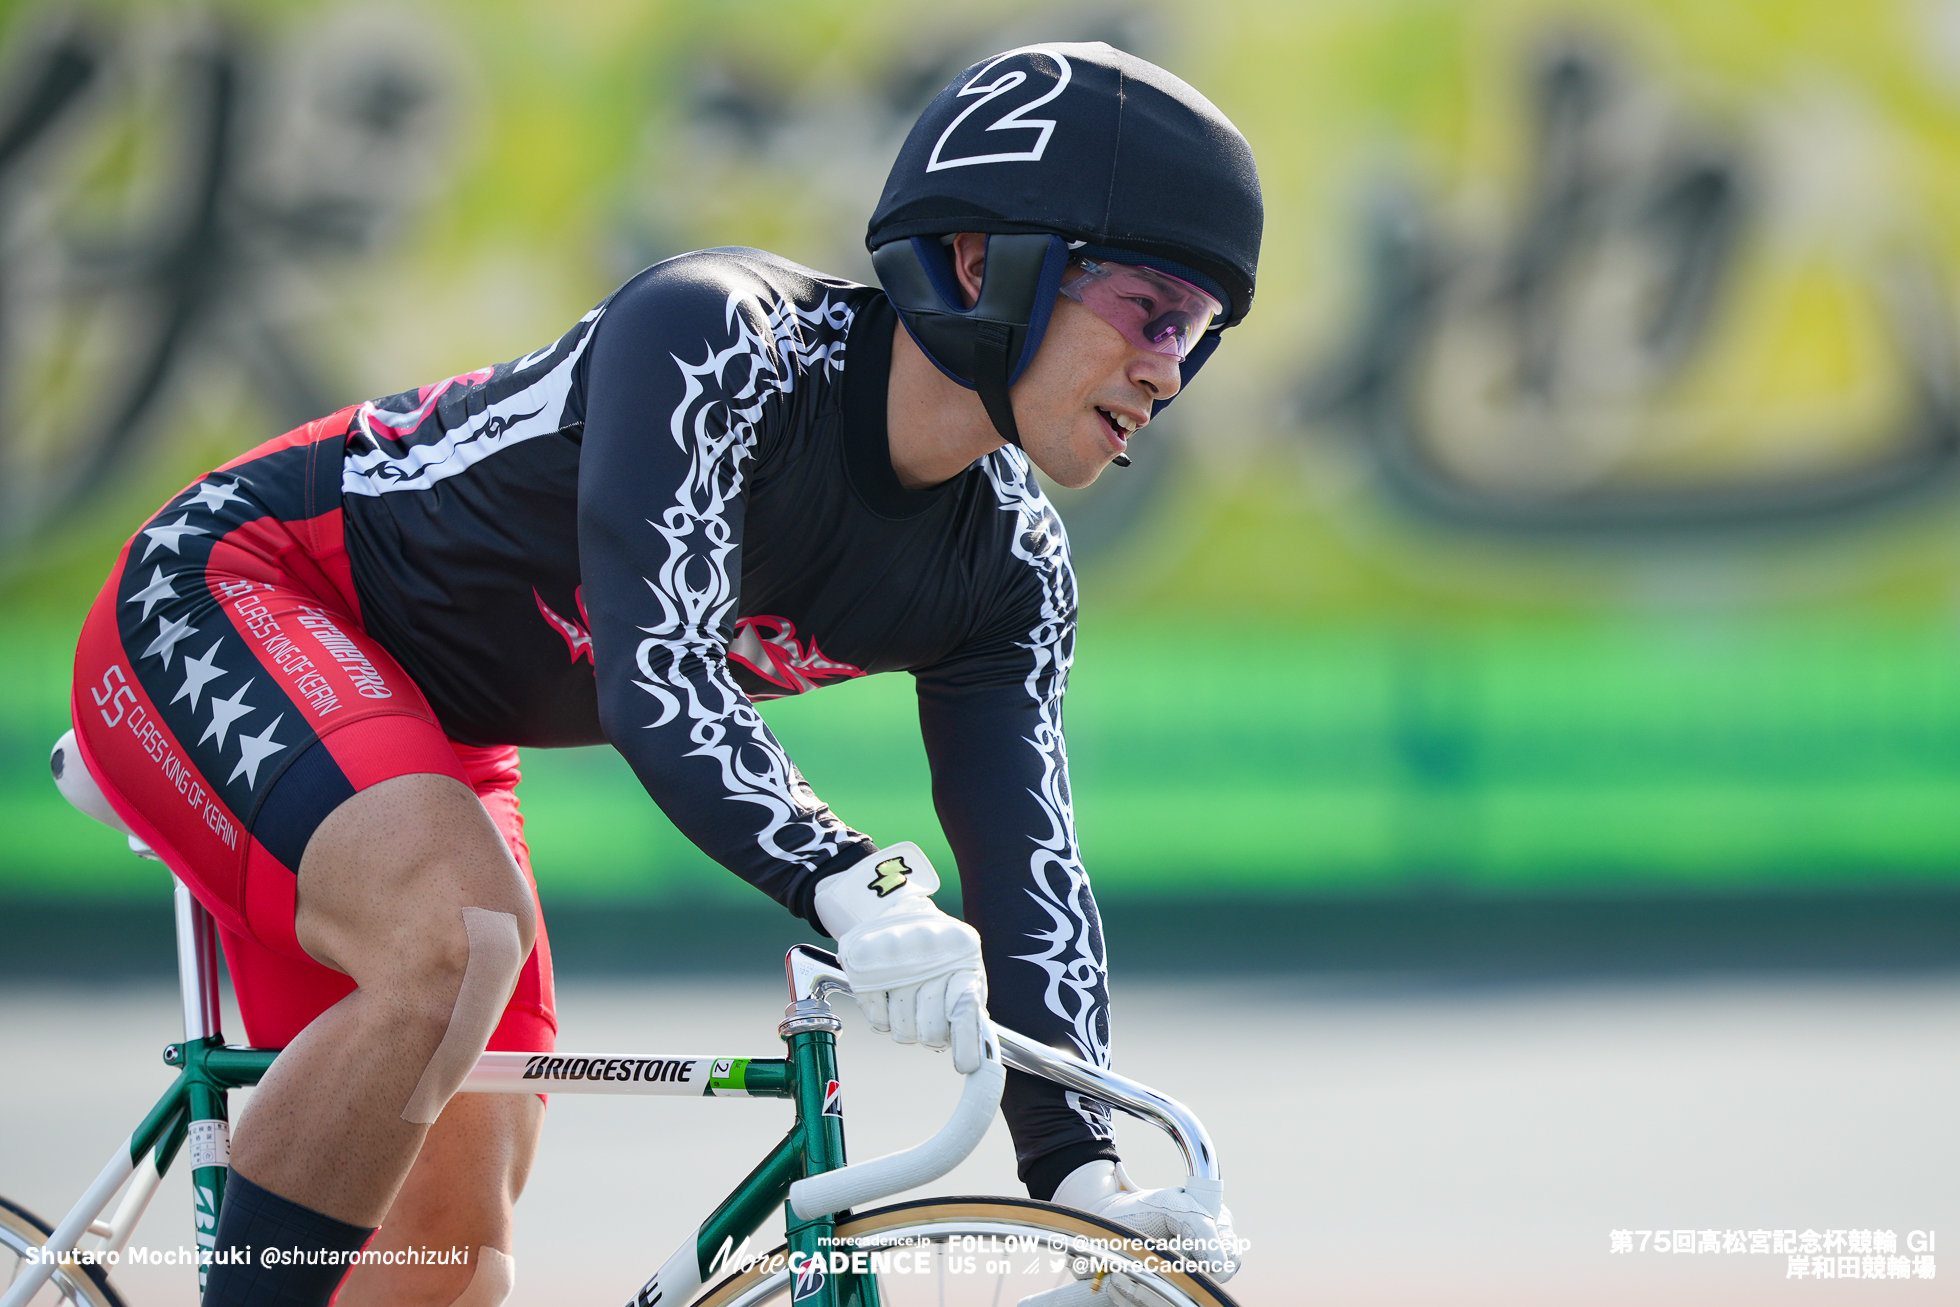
{"x": 252, "y": 1222}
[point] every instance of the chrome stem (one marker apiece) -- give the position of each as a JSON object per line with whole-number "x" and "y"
{"x": 814, "y": 974}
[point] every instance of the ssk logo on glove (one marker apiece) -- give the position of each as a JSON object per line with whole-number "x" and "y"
{"x": 892, "y": 873}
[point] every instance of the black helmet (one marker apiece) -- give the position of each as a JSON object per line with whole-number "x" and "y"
{"x": 1050, "y": 150}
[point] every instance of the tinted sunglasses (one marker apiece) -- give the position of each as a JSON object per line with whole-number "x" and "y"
{"x": 1154, "y": 310}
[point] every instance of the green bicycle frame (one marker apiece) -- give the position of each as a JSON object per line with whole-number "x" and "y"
{"x": 198, "y": 1103}
{"x": 194, "y": 1110}
{"x": 208, "y": 1069}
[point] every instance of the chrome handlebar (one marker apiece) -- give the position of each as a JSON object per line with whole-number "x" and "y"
{"x": 814, "y": 976}
{"x": 1120, "y": 1092}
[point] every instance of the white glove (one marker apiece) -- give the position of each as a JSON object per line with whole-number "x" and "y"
{"x": 1193, "y": 1216}
{"x": 915, "y": 971}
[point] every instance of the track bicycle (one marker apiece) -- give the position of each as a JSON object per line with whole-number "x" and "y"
{"x": 954, "y": 1251}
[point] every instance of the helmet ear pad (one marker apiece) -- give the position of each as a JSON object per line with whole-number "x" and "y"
{"x": 987, "y": 347}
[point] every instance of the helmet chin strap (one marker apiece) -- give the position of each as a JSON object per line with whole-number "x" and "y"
{"x": 991, "y": 370}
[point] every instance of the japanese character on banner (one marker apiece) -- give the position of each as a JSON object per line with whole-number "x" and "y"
{"x": 284, "y": 165}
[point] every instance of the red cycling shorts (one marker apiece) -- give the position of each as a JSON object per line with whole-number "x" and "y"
{"x": 227, "y": 699}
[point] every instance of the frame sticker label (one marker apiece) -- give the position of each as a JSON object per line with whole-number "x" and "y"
{"x": 210, "y": 1143}
{"x": 728, "y": 1077}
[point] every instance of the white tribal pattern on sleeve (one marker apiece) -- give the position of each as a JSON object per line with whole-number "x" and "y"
{"x": 726, "y": 402}
{"x": 1071, "y": 953}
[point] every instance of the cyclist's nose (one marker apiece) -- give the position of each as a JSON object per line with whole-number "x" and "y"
{"x": 1157, "y": 374}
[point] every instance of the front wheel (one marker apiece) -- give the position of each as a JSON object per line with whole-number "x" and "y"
{"x": 21, "y": 1233}
{"x": 982, "y": 1252}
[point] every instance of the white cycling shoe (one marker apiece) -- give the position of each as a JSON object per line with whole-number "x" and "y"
{"x": 1193, "y": 1219}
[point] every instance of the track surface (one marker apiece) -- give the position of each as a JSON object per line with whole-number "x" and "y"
{"x": 1383, "y": 1144}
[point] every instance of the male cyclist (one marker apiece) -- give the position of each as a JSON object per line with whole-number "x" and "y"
{"x": 306, "y": 681}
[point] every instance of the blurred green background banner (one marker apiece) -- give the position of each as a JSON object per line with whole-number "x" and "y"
{"x": 1576, "y": 514}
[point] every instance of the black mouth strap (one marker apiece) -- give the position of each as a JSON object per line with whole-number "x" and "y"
{"x": 991, "y": 368}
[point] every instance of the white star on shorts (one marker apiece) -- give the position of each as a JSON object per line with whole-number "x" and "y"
{"x": 171, "y": 537}
{"x": 169, "y": 634}
{"x": 253, "y": 750}
{"x": 158, "y": 590}
{"x": 226, "y": 711}
{"x": 198, "y": 672}
{"x": 213, "y": 496}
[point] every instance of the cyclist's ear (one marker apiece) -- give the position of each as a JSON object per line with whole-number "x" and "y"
{"x": 970, "y": 263}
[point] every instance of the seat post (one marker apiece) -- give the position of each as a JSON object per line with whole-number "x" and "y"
{"x": 197, "y": 967}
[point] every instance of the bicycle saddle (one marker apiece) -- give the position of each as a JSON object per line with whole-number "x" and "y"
{"x": 77, "y": 785}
